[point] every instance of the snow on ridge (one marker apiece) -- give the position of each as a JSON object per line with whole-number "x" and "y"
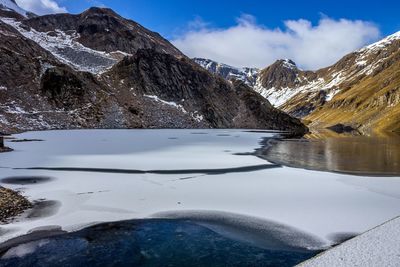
{"x": 65, "y": 48}
{"x": 11, "y": 6}
{"x": 289, "y": 64}
{"x": 245, "y": 74}
{"x": 382, "y": 43}
{"x": 278, "y": 96}
{"x": 375, "y": 48}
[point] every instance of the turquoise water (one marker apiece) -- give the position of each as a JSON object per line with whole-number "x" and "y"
{"x": 149, "y": 243}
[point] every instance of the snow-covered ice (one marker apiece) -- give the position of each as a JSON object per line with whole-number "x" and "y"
{"x": 378, "y": 247}
{"x": 318, "y": 203}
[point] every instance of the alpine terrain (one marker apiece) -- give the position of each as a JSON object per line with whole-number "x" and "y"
{"x": 99, "y": 70}
{"x": 361, "y": 91}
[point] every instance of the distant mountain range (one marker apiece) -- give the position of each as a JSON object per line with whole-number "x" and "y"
{"x": 99, "y": 70}
{"x": 360, "y": 91}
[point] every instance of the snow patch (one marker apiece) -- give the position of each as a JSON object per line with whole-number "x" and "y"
{"x": 169, "y": 103}
{"x": 245, "y": 74}
{"x": 65, "y": 47}
{"x": 361, "y": 62}
{"x": 287, "y": 63}
{"x": 381, "y": 44}
{"x": 197, "y": 117}
{"x": 331, "y": 94}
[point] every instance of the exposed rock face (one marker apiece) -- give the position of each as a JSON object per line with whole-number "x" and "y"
{"x": 45, "y": 84}
{"x": 103, "y": 30}
{"x": 11, "y": 204}
{"x": 39, "y": 92}
{"x": 361, "y": 90}
{"x": 205, "y": 98}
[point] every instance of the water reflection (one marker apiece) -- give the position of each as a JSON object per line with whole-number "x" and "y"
{"x": 361, "y": 155}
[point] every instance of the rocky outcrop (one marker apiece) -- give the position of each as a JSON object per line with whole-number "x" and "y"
{"x": 61, "y": 72}
{"x": 103, "y": 30}
{"x": 283, "y": 74}
{"x": 360, "y": 90}
{"x": 11, "y": 204}
{"x": 207, "y": 99}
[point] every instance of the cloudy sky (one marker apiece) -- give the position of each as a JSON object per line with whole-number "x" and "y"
{"x": 252, "y": 33}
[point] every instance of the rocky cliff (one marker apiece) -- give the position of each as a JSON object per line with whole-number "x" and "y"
{"x": 99, "y": 70}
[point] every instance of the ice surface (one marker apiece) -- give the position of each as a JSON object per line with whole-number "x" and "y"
{"x": 377, "y": 247}
{"x": 314, "y": 202}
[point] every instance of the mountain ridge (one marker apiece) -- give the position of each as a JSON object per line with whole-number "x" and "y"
{"x": 55, "y": 75}
{"x": 316, "y": 95}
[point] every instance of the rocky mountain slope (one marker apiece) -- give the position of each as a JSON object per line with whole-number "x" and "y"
{"x": 98, "y": 70}
{"x": 11, "y": 6}
{"x": 360, "y": 91}
{"x": 368, "y": 97}
{"x": 247, "y": 75}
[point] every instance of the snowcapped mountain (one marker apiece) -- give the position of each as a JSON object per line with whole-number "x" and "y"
{"x": 275, "y": 82}
{"x": 366, "y": 86}
{"x": 247, "y": 75}
{"x": 99, "y": 70}
{"x": 11, "y": 5}
{"x": 350, "y": 91}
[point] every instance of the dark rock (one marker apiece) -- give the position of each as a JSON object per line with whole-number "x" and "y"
{"x": 11, "y": 204}
{"x": 102, "y": 29}
{"x": 221, "y": 104}
{"x": 341, "y": 128}
{"x": 156, "y": 87}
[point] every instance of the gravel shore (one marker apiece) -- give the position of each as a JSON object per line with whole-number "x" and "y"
{"x": 5, "y": 149}
{"x": 11, "y": 204}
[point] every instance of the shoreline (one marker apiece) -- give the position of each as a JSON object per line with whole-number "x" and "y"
{"x": 377, "y": 246}
{"x": 12, "y": 204}
{"x": 5, "y": 149}
{"x": 264, "y": 142}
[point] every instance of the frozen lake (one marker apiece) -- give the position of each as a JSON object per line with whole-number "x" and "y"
{"x": 210, "y": 177}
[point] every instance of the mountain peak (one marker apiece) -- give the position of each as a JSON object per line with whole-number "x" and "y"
{"x": 245, "y": 74}
{"x": 11, "y": 5}
{"x": 382, "y": 43}
{"x": 287, "y": 63}
{"x": 100, "y": 10}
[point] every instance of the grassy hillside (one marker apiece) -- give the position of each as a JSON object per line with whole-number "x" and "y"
{"x": 371, "y": 103}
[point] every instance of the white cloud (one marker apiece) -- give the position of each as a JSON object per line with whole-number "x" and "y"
{"x": 250, "y": 44}
{"x": 41, "y": 7}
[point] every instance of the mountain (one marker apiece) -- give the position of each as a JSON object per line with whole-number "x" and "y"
{"x": 99, "y": 70}
{"x": 367, "y": 90}
{"x": 11, "y": 6}
{"x": 360, "y": 91}
{"x": 247, "y": 75}
{"x": 101, "y": 29}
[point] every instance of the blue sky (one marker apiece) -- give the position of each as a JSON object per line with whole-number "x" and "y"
{"x": 254, "y": 32}
{"x": 169, "y": 16}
